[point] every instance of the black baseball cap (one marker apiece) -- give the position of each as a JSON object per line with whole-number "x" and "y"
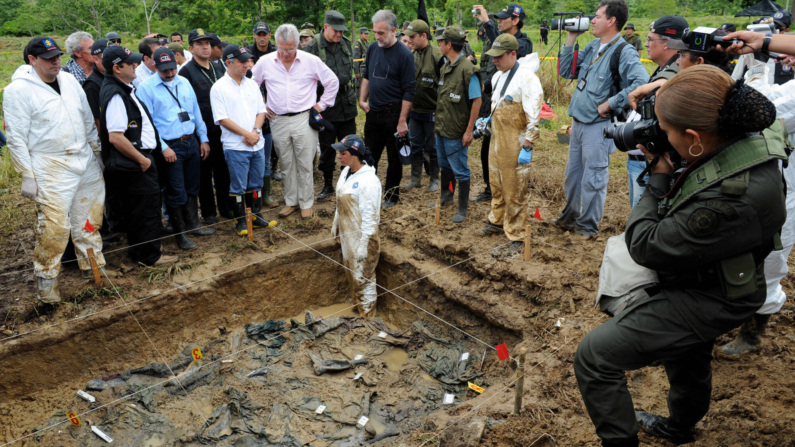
{"x": 262, "y": 27}
{"x": 672, "y": 26}
{"x": 99, "y": 46}
{"x": 117, "y": 54}
{"x": 351, "y": 143}
{"x": 198, "y": 34}
{"x": 728, "y": 27}
{"x": 233, "y": 51}
{"x": 782, "y": 19}
{"x": 214, "y": 39}
{"x": 512, "y": 10}
{"x": 164, "y": 59}
{"x": 41, "y": 46}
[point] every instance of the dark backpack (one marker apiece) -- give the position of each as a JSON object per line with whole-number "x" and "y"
{"x": 620, "y": 115}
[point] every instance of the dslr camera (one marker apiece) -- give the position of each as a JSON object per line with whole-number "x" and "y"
{"x": 576, "y": 24}
{"x": 647, "y": 132}
{"x": 482, "y": 128}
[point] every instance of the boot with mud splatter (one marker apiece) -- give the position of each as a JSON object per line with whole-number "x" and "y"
{"x": 662, "y": 427}
{"x": 463, "y": 201}
{"x": 749, "y": 337}
{"x": 47, "y": 290}
{"x": 448, "y": 188}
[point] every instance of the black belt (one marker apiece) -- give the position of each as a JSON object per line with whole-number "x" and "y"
{"x": 182, "y": 138}
{"x": 293, "y": 114}
{"x": 148, "y": 151}
{"x": 637, "y": 157}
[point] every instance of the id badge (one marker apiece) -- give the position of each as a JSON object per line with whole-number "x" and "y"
{"x": 184, "y": 117}
{"x": 581, "y": 85}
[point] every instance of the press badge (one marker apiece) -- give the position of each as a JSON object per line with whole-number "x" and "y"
{"x": 581, "y": 85}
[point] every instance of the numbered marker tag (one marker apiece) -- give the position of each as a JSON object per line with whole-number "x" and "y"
{"x": 382, "y": 334}
{"x": 464, "y": 356}
{"x": 196, "y": 353}
{"x": 358, "y": 376}
{"x": 449, "y": 398}
{"x": 101, "y": 434}
{"x": 362, "y": 421}
{"x": 358, "y": 357}
{"x": 476, "y": 388}
{"x": 74, "y": 419}
{"x": 320, "y": 409}
{"x": 85, "y": 396}
{"x": 227, "y": 361}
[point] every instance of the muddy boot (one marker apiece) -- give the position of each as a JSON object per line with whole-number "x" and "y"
{"x": 749, "y": 337}
{"x": 239, "y": 208}
{"x": 661, "y": 427}
{"x": 257, "y": 221}
{"x": 448, "y": 188}
{"x": 416, "y": 174}
{"x": 626, "y": 442}
{"x": 328, "y": 190}
{"x": 191, "y": 210}
{"x": 177, "y": 221}
{"x": 266, "y": 192}
{"x": 484, "y": 196}
{"x": 490, "y": 229}
{"x": 434, "y": 173}
{"x": 463, "y": 201}
{"x": 47, "y": 290}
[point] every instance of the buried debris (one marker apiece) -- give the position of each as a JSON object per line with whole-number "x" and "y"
{"x": 324, "y": 366}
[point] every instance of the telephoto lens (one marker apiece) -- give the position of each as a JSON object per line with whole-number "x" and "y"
{"x": 577, "y": 24}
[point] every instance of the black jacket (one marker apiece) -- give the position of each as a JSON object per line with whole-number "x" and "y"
{"x": 92, "y": 87}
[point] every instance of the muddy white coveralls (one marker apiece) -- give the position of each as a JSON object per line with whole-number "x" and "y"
{"x": 783, "y": 96}
{"x": 356, "y": 224}
{"x": 513, "y": 121}
{"x": 52, "y": 139}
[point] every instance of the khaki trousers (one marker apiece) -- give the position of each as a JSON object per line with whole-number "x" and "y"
{"x": 296, "y": 145}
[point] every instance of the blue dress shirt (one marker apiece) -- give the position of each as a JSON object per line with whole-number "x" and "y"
{"x": 165, "y": 109}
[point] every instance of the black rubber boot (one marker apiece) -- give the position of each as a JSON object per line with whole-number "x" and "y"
{"x": 463, "y": 201}
{"x": 191, "y": 210}
{"x": 177, "y": 221}
{"x": 433, "y": 171}
{"x": 328, "y": 190}
{"x": 448, "y": 188}
{"x": 625, "y": 442}
{"x": 266, "y": 192}
{"x": 484, "y": 196}
{"x": 416, "y": 174}
{"x": 749, "y": 337}
{"x": 239, "y": 209}
{"x": 661, "y": 427}
{"x": 257, "y": 221}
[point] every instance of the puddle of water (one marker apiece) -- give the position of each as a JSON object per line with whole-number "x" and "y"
{"x": 326, "y": 312}
{"x": 394, "y": 358}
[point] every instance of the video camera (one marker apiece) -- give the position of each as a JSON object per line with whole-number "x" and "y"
{"x": 765, "y": 28}
{"x": 703, "y": 38}
{"x": 577, "y": 24}
{"x": 627, "y": 136}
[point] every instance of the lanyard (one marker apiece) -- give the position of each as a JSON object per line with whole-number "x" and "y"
{"x": 212, "y": 70}
{"x": 172, "y": 95}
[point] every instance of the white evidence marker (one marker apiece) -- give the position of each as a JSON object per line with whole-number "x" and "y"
{"x": 464, "y": 356}
{"x": 362, "y": 421}
{"x": 449, "y": 398}
{"x": 320, "y": 409}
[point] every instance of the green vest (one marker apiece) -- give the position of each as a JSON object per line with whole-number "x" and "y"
{"x": 341, "y": 63}
{"x": 730, "y": 166}
{"x": 427, "y": 63}
{"x": 453, "y": 106}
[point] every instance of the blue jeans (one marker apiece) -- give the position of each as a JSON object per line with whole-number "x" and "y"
{"x": 634, "y": 168}
{"x": 268, "y": 146}
{"x": 182, "y": 176}
{"x": 453, "y": 156}
{"x": 245, "y": 170}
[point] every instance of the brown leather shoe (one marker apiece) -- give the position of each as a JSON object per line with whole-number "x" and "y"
{"x": 307, "y": 213}
{"x": 287, "y": 210}
{"x": 167, "y": 259}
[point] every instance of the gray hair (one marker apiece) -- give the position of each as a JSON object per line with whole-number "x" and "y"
{"x": 386, "y": 15}
{"x": 73, "y": 42}
{"x": 287, "y": 33}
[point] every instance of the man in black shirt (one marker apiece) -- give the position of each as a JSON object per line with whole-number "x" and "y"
{"x": 388, "y": 80}
{"x": 202, "y": 74}
{"x": 262, "y": 42}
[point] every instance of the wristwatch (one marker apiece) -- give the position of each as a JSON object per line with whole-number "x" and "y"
{"x": 259, "y": 131}
{"x": 766, "y": 43}
{"x": 527, "y": 148}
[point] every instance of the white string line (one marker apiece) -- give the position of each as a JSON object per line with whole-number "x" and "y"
{"x": 199, "y": 368}
{"x": 395, "y": 294}
{"x": 185, "y": 286}
{"x": 527, "y": 371}
{"x": 157, "y": 351}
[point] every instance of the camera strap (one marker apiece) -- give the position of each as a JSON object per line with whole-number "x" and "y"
{"x": 505, "y": 86}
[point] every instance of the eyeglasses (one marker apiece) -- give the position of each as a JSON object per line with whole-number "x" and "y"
{"x": 116, "y": 41}
{"x": 659, "y": 39}
{"x": 287, "y": 50}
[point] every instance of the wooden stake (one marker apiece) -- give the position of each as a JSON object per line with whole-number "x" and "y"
{"x": 438, "y": 214}
{"x": 94, "y": 266}
{"x": 517, "y": 403}
{"x": 527, "y": 243}
{"x": 248, "y": 224}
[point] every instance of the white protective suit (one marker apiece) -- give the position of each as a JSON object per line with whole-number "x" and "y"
{"x": 512, "y": 122}
{"x": 53, "y": 140}
{"x": 783, "y": 96}
{"x": 356, "y": 224}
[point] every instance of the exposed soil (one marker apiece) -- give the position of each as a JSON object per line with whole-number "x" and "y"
{"x": 475, "y": 284}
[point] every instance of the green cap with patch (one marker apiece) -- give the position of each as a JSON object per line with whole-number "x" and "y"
{"x": 416, "y": 27}
{"x": 502, "y": 44}
{"x": 454, "y": 34}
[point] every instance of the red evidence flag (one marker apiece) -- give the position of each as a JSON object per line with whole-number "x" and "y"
{"x": 451, "y": 187}
{"x": 255, "y": 194}
{"x": 537, "y": 215}
{"x": 502, "y": 351}
{"x": 89, "y": 227}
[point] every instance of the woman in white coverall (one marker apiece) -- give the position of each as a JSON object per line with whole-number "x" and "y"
{"x": 54, "y": 144}
{"x": 356, "y": 220}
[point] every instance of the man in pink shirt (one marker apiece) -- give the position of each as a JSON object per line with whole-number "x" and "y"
{"x": 291, "y": 79}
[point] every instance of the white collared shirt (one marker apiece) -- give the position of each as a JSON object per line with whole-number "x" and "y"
{"x": 142, "y": 73}
{"x": 239, "y": 103}
{"x": 116, "y": 120}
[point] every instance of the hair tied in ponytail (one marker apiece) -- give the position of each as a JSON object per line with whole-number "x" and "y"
{"x": 745, "y": 110}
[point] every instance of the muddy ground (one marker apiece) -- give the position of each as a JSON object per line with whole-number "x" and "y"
{"x": 473, "y": 283}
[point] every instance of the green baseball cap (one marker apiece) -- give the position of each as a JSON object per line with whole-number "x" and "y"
{"x": 416, "y": 27}
{"x": 364, "y": 30}
{"x": 336, "y": 20}
{"x": 454, "y": 34}
{"x": 502, "y": 44}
